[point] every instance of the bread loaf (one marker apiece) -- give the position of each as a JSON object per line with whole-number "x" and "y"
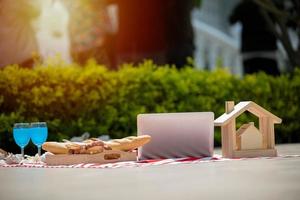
{"x": 93, "y": 146}
{"x": 56, "y": 147}
{"x": 128, "y": 143}
{"x": 88, "y": 147}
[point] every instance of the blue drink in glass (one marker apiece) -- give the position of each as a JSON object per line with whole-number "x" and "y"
{"x": 21, "y": 135}
{"x": 39, "y": 134}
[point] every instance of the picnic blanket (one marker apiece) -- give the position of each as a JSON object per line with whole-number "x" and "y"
{"x": 144, "y": 163}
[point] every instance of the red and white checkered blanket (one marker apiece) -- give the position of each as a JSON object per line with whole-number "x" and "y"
{"x": 144, "y": 163}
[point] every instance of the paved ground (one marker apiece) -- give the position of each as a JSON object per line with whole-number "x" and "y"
{"x": 246, "y": 179}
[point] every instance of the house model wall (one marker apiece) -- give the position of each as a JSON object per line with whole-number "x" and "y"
{"x": 249, "y": 137}
{"x": 236, "y": 144}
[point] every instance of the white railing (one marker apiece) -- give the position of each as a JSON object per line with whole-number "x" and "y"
{"x": 213, "y": 47}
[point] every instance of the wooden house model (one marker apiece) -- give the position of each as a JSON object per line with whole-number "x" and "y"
{"x": 247, "y": 141}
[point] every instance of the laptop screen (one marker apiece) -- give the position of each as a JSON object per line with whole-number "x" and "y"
{"x": 176, "y": 135}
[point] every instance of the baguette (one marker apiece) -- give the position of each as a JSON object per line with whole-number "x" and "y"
{"x": 91, "y": 147}
{"x": 128, "y": 143}
{"x": 56, "y": 147}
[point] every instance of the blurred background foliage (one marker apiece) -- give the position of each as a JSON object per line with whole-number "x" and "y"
{"x": 76, "y": 99}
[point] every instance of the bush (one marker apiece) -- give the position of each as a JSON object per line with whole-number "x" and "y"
{"x": 74, "y": 99}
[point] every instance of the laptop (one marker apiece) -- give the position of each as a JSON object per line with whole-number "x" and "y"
{"x": 176, "y": 135}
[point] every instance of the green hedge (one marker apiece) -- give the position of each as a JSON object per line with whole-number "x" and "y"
{"x": 74, "y": 99}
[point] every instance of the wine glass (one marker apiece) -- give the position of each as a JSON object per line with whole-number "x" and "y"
{"x": 39, "y": 133}
{"x": 21, "y": 135}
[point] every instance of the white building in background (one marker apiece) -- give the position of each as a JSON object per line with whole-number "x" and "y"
{"x": 216, "y": 41}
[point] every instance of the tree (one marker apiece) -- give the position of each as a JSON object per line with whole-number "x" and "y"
{"x": 281, "y": 16}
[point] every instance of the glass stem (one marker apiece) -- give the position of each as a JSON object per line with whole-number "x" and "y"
{"x": 39, "y": 151}
{"x": 22, "y": 151}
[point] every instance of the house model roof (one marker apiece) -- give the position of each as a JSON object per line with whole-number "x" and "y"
{"x": 241, "y": 108}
